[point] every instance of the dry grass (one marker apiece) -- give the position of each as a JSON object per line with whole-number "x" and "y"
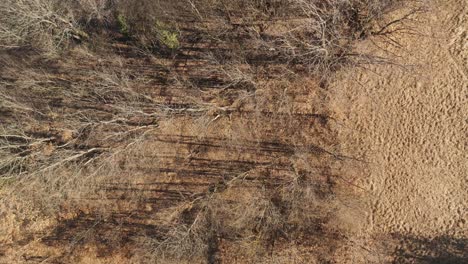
{"x": 250, "y": 218}
{"x": 38, "y": 23}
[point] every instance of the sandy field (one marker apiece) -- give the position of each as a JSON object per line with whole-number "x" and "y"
{"x": 409, "y": 122}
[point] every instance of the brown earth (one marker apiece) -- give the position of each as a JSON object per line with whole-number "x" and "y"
{"x": 409, "y": 123}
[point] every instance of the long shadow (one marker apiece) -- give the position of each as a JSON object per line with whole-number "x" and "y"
{"x": 439, "y": 250}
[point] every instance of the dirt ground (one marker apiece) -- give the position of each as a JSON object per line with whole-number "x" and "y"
{"x": 410, "y": 124}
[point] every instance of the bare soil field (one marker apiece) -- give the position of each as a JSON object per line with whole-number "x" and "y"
{"x": 409, "y": 122}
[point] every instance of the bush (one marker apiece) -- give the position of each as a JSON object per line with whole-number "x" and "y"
{"x": 123, "y": 25}
{"x": 38, "y": 23}
{"x": 166, "y": 36}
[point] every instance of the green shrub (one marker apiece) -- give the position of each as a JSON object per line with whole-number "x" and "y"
{"x": 123, "y": 25}
{"x": 160, "y": 33}
{"x": 167, "y": 37}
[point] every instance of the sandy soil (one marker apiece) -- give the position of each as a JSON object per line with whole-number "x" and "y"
{"x": 410, "y": 124}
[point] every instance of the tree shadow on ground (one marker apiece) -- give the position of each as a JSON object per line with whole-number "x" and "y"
{"x": 439, "y": 250}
